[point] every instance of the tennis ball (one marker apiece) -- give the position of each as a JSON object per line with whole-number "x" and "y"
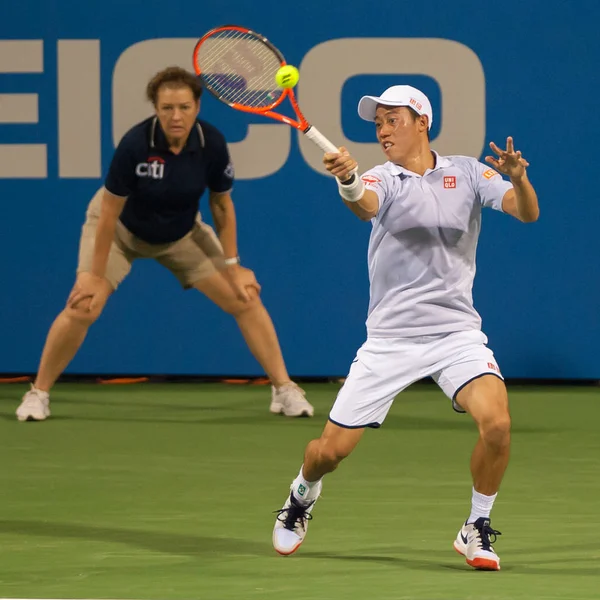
{"x": 287, "y": 77}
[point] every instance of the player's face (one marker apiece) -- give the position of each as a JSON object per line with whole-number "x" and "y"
{"x": 177, "y": 110}
{"x": 397, "y": 131}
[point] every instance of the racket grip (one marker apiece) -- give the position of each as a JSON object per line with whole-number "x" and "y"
{"x": 315, "y": 136}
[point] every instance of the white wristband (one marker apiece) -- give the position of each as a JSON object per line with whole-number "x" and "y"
{"x": 232, "y": 261}
{"x": 352, "y": 192}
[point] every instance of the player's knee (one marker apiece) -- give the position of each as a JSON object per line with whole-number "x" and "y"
{"x": 237, "y": 307}
{"x": 495, "y": 431}
{"x": 84, "y": 313}
{"x": 334, "y": 452}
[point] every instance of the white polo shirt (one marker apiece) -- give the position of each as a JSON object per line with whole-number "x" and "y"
{"x": 423, "y": 243}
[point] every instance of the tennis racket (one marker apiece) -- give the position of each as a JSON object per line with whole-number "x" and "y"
{"x": 238, "y": 67}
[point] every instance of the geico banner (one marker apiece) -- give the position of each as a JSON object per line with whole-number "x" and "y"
{"x": 73, "y": 79}
{"x": 266, "y": 147}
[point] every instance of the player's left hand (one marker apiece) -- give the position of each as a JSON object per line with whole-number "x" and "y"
{"x": 243, "y": 281}
{"x": 509, "y": 162}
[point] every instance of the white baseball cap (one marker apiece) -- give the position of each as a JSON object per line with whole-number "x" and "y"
{"x": 397, "y": 95}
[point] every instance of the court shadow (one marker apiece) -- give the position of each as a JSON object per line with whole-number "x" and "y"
{"x": 240, "y": 419}
{"x": 164, "y": 542}
{"x": 432, "y": 560}
{"x": 437, "y": 561}
{"x": 106, "y": 400}
{"x": 417, "y": 564}
{"x": 240, "y": 415}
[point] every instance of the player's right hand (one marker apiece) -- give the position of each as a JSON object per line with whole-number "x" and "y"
{"x": 89, "y": 286}
{"x": 341, "y": 164}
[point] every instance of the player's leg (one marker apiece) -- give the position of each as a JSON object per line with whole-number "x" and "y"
{"x": 260, "y": 336}
{"x": 486, "y": 400}
{"x": 474, "y": 383}
{"x": 197, "y": 261}
{"x": 66, "y": 335}
{"x": 381, "y": 370}
{"x": 69, "y": 329}
{"x": 321, "y": 456}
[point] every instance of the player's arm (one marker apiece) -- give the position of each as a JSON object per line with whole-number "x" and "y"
{"x": 362, "y": 202}
{"x": 223, "y": 212}
{"x": 241, "y": 279}
{"x": 120, "y": 182}
{"x": 112, "y": 206}
{"x": 521, "y": 201}
{"x": 220, "y": 183}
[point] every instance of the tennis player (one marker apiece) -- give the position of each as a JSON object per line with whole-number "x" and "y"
{"x": 425, "y": 211}
{"x": 148, "y": 208}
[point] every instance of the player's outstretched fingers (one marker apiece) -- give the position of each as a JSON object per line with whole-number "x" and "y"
{"x": 497, "y": 150}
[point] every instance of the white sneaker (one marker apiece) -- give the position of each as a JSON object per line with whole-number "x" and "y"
{"x": 35, "y": 406}
{"x": 473, "y": 542}
{"x": 291, "y": 524}
{"x": 289, "y": 400}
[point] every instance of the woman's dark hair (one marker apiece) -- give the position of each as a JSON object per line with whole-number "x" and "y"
{"x": 173, "y": 77}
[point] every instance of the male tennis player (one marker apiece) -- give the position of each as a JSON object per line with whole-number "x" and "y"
{"x": 426, "y": 215}
{"x": 148, "y": 208}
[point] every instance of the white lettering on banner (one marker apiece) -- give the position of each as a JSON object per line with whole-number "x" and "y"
{"x": 79, "y": 148}
{"x": 266, "y": 147}
{"x": 263, "y": 151}
{"x": 19, "y": 108}
{"x": 456, "y": 69}
{"x": 22, "y": 161}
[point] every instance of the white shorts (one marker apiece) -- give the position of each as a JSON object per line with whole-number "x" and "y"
{"x": 383, "y": 367}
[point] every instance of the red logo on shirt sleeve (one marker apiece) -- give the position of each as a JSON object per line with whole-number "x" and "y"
{"x": 370, "y": 179}
{"x": 450, "y": 182}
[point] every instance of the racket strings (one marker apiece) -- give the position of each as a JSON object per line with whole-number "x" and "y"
{"x": 239, "y": 68}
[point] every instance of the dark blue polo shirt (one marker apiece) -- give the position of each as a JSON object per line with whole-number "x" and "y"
{"x": 163, "y": 189}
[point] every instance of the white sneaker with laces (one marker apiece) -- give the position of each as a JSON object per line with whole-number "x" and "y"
{"x": 289, "y": 400}
{"x": 473, "y": 542}
{"x": 35, "y": 406}
{"x": 291, "y": 524}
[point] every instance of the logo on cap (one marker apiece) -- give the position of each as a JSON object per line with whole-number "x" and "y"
{"x": 416, "y": 104}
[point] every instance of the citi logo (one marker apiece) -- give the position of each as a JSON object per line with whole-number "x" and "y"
{"x": 154, "y": 168}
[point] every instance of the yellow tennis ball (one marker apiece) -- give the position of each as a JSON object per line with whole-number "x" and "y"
{"x": 287, "y": 77}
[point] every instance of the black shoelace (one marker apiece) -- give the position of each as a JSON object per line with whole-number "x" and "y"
{"x": 295, "y": 513}
{"x": 488, "y": 537}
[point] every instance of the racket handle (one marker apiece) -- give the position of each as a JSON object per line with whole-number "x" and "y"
{"x": 315, "y": 136}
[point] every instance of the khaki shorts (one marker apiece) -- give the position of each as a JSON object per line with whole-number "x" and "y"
{"x": 194, "y": 257}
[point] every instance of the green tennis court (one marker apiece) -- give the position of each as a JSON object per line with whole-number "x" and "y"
{"x": 166, "y": 491}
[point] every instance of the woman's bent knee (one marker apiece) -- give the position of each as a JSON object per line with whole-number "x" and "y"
{"x": 236, "y": 307}
{"x": 83, "y": 313}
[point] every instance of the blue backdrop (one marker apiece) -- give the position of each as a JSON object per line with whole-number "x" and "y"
{"x": 74, "y": 82}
